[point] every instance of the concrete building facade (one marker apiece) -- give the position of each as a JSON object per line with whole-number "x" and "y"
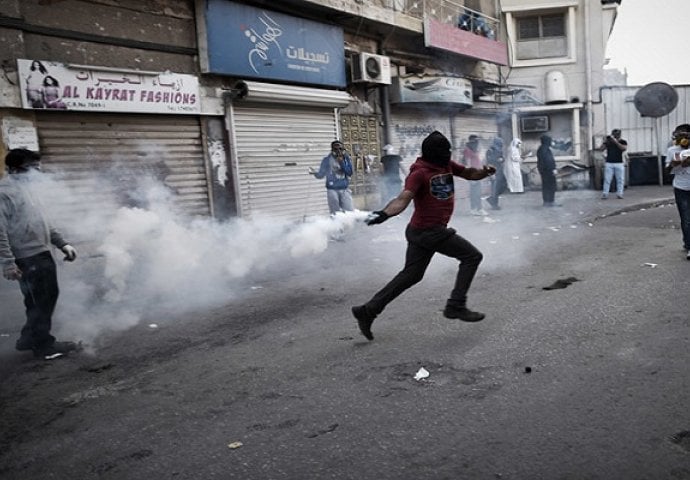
{"x": 228, "y": 102}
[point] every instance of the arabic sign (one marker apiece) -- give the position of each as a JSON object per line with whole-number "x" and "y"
{"x": 51, "y": 85}
{"x": 432, "y": 89}
{"x": 251, "y": 42}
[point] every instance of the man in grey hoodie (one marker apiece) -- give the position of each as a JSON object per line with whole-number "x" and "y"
{"x": 430, "y": 185}
{"x": 25, "y": 256}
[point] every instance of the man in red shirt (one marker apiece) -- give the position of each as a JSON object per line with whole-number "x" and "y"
{"x": 430, "y": 185}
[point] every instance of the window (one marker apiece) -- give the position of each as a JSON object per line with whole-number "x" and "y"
{"x": 541, "y": 36}
{"x": 534, "y": 124}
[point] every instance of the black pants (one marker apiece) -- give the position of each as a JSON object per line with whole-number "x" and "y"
{"x": 40, "y": 289}
{"x": 683, "y": 204}
{"x": 421, "y": 246}
{"x": 548, "y": 187}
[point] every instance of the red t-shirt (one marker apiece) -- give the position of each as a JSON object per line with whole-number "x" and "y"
{"x": 434, "y": 192}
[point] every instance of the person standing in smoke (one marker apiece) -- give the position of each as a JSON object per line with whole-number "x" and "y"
{"x": 546, "y": 165}
{"x": 678, "y": 165}
{"x": 391, "y": 168}
{"x": 494, "y": 158}
{"x": 471, "y": 157}
{"x": 615, "y": 164}
{"x": 513, "y": 170}
{"x": 337, "y": 168}
{"x": 25, "y": 240}
{"x": 430, "y": 185}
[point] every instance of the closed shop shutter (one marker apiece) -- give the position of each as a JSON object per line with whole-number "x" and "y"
{"x": 102, "y": 156}
{"x": 484, "y": 126}
{"x": 411, "y": 126}
{"x": 274, "y": 145}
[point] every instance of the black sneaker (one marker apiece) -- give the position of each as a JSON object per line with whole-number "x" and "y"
{"x": 463, "y": 313}
{"x": 24, "y": 344}
{"x": 56, "y": 350}
{"x": 364, "y": 320}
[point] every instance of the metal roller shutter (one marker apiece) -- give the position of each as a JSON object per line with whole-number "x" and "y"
{"x": 468, "y": 124}
{"x": 410, "y": 127}
{"x": 87, "y": 148}
{"x": 273, "y": 147}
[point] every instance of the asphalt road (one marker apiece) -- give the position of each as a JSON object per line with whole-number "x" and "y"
{"x": 584, "y": 382}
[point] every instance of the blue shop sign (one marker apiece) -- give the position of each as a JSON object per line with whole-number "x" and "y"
{"x": 252, "y": 42}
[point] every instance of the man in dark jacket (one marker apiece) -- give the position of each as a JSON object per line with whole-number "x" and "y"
{"x": 430, "y": 185}
{"x": 494, "y": 157}
{"x": 25, "y": 241}
{"x": 546, "y": 165}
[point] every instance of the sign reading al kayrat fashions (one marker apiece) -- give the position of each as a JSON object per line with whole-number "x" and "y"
{"x": 52, "y": 85}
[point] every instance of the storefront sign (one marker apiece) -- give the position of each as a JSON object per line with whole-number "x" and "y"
{"x": 432, "y": 89}
{"x": 51, "y": 85}
{"x": 255, "y": 43}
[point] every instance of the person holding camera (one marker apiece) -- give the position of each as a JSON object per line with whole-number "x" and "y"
{"x": 336, "y": 167}
{"x": 678, "y": 165}
{"x": 614, "y": 166}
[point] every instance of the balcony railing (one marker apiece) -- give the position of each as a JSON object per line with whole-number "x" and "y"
{"x": 455, "y": 13}
{"x": 449, "y": 12}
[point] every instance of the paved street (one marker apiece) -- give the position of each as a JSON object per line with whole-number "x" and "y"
{"x": 273, "y": 381}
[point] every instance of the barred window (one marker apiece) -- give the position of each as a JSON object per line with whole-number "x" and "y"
{"x": 541, "y": 26}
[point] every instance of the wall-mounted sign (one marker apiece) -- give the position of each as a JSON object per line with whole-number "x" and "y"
{"x": 432, "y": 89}
{"x": 19, "y": 133}
{"x": 57, "y": 86}
{"x": 252, "y": 42}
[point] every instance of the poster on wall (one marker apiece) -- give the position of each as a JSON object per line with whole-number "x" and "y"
{"x": 57, "y": 86}
{"x": 432, "y": 89}
{"x": 251, "y": 42}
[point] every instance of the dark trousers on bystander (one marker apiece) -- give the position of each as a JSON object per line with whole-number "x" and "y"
{"x": 683, "y": 205}
{"x": 39, "y": 286}
{"x": 548, "y": 187}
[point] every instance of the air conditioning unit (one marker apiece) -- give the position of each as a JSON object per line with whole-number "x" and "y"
{"x": 534, "y": 124}
{"x": 371, "y": 68}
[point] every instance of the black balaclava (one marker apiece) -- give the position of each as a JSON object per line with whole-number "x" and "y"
{"x": 21, "y": 160}
{"x": 436, "y": 149}
{"x": 546, "y": 140}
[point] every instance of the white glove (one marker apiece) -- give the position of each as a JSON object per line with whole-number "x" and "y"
{"x": 70, "y": 253}
{"x": 11, "y": 272}
{"x": 555, "y": 171}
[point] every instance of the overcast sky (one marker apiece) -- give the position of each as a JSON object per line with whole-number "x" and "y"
{"x": 651, "y": 39}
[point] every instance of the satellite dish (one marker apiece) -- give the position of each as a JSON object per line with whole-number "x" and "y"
{"x": 656, "y": 99}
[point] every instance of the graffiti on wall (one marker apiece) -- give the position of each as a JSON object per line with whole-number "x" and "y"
{"x": 216, "y": 152}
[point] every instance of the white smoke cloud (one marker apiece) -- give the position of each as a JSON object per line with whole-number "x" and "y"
{"x": 147, "y": 262}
